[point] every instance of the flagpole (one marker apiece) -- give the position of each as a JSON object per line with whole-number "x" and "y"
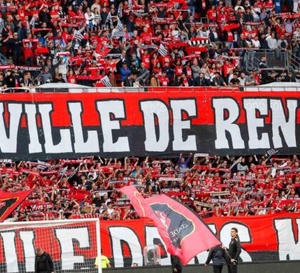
{"x": 227, "y": 253}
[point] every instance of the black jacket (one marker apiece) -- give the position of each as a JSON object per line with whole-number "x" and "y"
{"x": 234, "y": 249}
{"x": 43, "y": 263}
{"x": 217, "y": 255}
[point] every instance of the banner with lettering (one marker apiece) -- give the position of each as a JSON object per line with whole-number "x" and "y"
{"x": 263, "y": 238}
{"x": 218, "y": 122}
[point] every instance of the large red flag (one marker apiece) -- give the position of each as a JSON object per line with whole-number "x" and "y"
{"x": 183, "y": 231}
{"x": 10, "y": 201}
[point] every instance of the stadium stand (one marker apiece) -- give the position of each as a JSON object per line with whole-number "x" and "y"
{"x": 150, "y": 43}
{"x": 210, "y": 185}
{"x": 161, "y": 43}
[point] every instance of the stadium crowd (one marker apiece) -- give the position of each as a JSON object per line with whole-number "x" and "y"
{"x": 148, "y": 43}
{"x": 145, "y": 43}
{"x": 210, "y": 185}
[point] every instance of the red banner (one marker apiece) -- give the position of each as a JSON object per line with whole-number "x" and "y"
{"x": 263, "y": 238}
{"x": 218, "y": 122}
{"x": 10, "y": 201}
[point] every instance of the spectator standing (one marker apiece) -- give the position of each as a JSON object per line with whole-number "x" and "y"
{"x": 183, "y": 163}
{"x": 105, "y": 263}
{"x": 90, "y": 19}
{"x": 233, "y": 251}
{"x": 43, "y": 262}
{"x": 218, "y": 256}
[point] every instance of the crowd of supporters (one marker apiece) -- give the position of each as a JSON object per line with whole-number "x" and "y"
{"x": 210, "y": 185}
{"x": 145, "y": 43}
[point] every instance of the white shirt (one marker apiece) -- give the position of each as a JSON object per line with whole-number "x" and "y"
{"x": 256, "y": 43}
{"x": 272, "y": 42}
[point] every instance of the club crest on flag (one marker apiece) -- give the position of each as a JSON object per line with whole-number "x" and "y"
{"x": 170, "y": 219}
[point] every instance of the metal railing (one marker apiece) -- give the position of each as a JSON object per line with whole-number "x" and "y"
{"x": 293, "y": 61}
{"x": 275, "y": 59}
{"x": 275, "y": 87}
{"x": 3, "y": 60}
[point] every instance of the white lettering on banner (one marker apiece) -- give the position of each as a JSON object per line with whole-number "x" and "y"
{"x": 189, "y": 107}
{"x": 257, "y": 110}
{"x": 168, "y": 126}
{"x": 21, "y": 244}
{"x": 10, "y": 252}
{"x": 66, "y": 238}
{"x": 226, "y": 113}
{"x": 119, "y": 234}
{"x": 27, "y": 238}
{"x": 34, "y": 144}
{"x": 279, "y": 121}
{"x": 91, "y": 145}
{"x": 106, "y": 109}
{"x": 64, "y": 146}
{"x": 9, "y": 143}
{"x": 157, "y": 115}
{"x": 288, "y": 249}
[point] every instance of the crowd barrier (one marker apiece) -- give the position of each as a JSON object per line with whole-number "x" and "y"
{"x": 70, "y": 88}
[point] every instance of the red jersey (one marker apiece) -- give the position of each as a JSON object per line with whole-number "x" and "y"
{"x": 164, "y": 81}
{"x": 212, "y": 15}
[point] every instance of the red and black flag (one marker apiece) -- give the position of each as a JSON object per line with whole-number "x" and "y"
{"x": 183, "y": 231}
{"x": 10, "y": 201}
